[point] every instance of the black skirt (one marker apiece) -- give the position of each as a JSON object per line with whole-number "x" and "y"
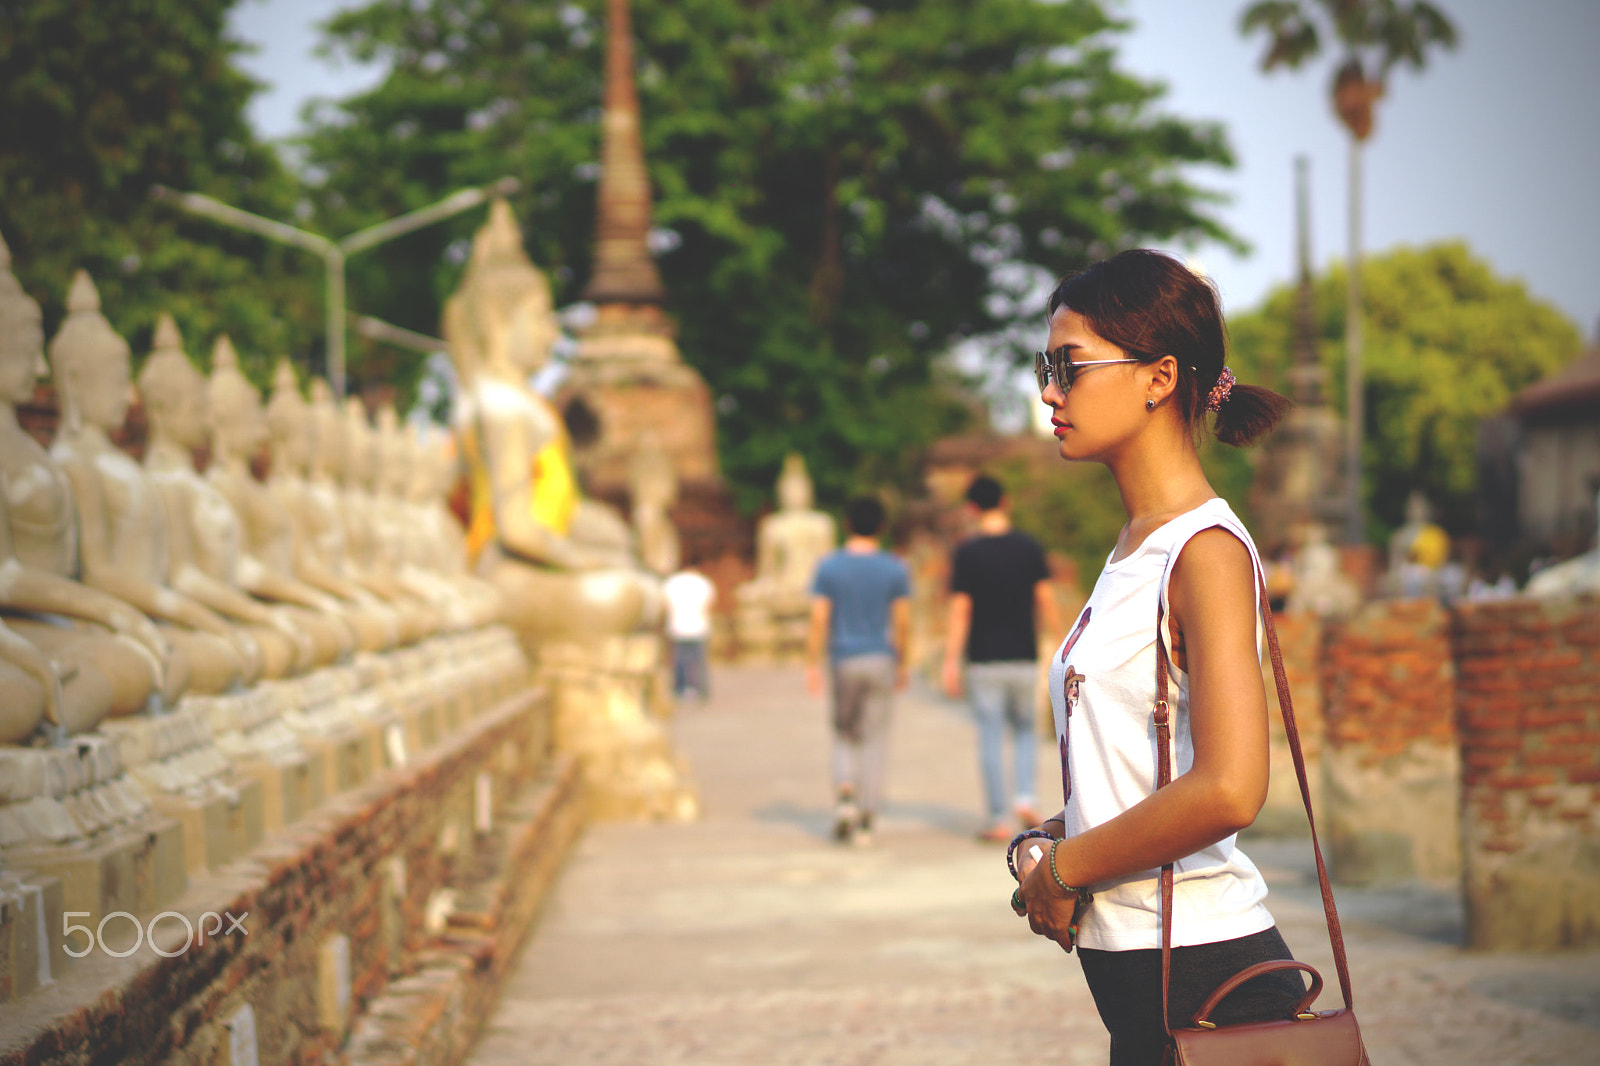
{"x": 1127, "y": 990}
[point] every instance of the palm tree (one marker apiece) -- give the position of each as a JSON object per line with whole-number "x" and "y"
{"x": 1373, "y": 37}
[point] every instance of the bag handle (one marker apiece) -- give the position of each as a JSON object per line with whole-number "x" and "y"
{"x": 1162, "y": 718}
{"x": 1202, "y": 1017}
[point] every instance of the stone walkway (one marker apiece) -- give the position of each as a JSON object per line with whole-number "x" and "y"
{"x": 750, "y": 938}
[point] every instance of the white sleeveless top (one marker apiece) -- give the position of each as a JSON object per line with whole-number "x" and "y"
{"x": 1111, "y": 749}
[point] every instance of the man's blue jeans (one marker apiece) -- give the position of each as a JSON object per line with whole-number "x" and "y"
{"x": 1001, "y": 695}
{"x": 689, "y": 668}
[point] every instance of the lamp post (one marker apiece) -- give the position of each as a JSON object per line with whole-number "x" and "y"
{"x": 334, "y": 253}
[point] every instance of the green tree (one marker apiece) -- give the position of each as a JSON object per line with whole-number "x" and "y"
{"x": 1449, "y": 344}
{"x": 844, "y": 190}
{"x": 97, "y": 103}
{"x": 1373, "y": 37}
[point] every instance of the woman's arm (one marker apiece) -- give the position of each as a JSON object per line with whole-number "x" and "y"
{"x": 1212, "y": 596}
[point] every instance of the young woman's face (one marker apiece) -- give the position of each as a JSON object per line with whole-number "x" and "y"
{"x": 1104, "y": 405}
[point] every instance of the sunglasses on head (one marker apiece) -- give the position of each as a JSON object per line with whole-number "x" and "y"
{"x": 1057, "y": 366}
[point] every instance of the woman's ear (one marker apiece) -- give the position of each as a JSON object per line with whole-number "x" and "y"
{"x": 1163, "y": 378}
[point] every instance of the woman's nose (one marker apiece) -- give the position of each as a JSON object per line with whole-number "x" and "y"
{"x": 1052, "y": 396}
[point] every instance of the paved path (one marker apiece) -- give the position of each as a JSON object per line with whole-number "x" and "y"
{"x": 749, "y": 938}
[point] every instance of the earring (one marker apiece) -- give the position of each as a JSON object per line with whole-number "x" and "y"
{"x": 1149, "y": 405}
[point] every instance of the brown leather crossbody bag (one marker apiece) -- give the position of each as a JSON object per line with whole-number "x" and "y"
{"x": 1304, "y": 1037}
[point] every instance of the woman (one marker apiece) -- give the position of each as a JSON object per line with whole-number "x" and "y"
{"x": 1135, "y": 362}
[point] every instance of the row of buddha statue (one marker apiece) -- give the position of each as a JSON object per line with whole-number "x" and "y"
{"x": 127, "y": 585}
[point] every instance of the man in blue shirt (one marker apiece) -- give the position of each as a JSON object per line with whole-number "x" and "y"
{"x": 861, "y": 612}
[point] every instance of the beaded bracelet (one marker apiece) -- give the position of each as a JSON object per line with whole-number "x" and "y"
{"x": 1011, "y": 851}
{"x": 1083, "y": 894}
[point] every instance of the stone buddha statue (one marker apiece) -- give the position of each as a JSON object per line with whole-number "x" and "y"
{"x": 321, "y": 533}
{"x": 771, "y": 608}
{"x": 108, "y": 657}
{"x": 208, "y": 555}
{"x": 303, "y": 553}
{"x": 653, "y": 485}
{"x": 562, "y": 562}
{"x": 370, "y": 534}
{"x": 438, "y": 542}
{"x": 408, "y": 531}
{"x": 1418, "y": 552}
{"x": 30, "y": 688}
{"x": 238, "y": 431}
{"x": 122, "y": 521}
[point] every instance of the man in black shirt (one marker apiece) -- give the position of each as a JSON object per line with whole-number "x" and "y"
{"x": 999, "y": 587}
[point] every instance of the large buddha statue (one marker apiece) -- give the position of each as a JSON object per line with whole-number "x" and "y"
{"x": 563, "y": 563}
{"x": 790, "y": 542}
{"x": 109, "y": 657}
{"x": 303, "y": 551}
{"x": 122, "y": 522}
{"x": 437, "y": 541}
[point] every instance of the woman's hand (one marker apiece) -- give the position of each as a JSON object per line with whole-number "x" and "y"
{"x": 1051, "y": 913}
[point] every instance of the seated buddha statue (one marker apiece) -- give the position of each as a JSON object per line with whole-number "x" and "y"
{"x": 292, "y": 438}
{"x": 398, "y": 527}
{"x": 30, "y": 688}
{"x": 110, "y": 658}
{"x": 790, "y": 542}
{"x": 437, "y": 540}
{"x": 564, "y": 566}
{"x": 122, "y": 521}
{"x": 237, "y": 430}
{"x": 206, "y": 550}
{"x": 368, "y": 532}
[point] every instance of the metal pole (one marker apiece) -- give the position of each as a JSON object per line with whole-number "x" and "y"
{"x": 335, "y": 261}
{"x": 1355, "y": 530}
{"x": 334, "y": 254}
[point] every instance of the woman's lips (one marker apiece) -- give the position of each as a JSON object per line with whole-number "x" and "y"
{"x": 1061, "y": 427}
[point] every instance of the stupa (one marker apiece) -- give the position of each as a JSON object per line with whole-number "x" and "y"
{"x": 628, "y": 378}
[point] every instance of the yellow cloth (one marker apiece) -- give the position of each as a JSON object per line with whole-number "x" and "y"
{"x": 1430, "y": 547}
{"x": 555, "y": 490}
{"x": 552, "y": 503}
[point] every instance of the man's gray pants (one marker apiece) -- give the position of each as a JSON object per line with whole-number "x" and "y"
{"x": 863, "y": 690}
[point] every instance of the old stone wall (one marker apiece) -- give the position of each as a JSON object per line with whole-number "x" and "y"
{"x": 372, "y": 930}
{"x": 1528, "y": 691}
{"x": 1390, "y": 765}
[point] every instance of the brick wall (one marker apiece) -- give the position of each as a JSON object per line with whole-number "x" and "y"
{"x": 1528, "y": 692}
{"x": 402, "y": 867}
{"x": 1300, "y": 639}
{"x": 1391, "y": 764}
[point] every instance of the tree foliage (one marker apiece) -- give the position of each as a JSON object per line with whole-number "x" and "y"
{"x": 100, "y": 101}
{"x": 1448, "y": 343}
{"x": 844, "y": 191}
{"x": 1373, "y": 37}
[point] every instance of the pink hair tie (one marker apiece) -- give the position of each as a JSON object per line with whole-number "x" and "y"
{"x": 1220, "y": 391}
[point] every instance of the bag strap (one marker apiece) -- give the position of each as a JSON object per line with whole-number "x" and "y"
{"x": 1162, "y": 718}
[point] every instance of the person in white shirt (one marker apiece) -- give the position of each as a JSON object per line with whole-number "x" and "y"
{"x": 690, "y": 596}
{"x": 1133, "y": 372}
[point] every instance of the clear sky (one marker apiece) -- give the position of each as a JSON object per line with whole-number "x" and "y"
{"x": 1497, "y": 143}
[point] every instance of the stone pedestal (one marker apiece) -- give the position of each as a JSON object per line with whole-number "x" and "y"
{"x": 602, "y": 716}
{"x": 72, "y": 814}
{"x": 189, "y": 779}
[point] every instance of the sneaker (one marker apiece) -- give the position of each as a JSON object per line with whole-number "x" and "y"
{"x": 1028, "y": 817}
{"x": 845, "y": 818}
{"x": 999, "y": 833}
{"x": 863, "y": 830}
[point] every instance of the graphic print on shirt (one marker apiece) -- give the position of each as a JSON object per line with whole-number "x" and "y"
{"x": 1069, "y": 699}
